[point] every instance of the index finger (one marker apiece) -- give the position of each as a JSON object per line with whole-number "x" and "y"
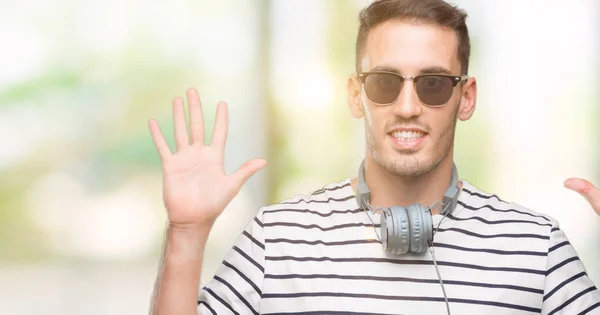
{"x": 221, "y": 125}
{"x": 587, "y": 190}
{"x": 159, "y": 141}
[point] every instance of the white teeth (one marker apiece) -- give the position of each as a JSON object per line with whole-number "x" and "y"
{"x": 407, "y": 135}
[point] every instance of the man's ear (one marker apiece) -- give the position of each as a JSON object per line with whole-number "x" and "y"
{"x": 469, "y": 99}
{"x": 354, "y": 100}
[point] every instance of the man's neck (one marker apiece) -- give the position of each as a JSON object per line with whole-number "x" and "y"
{"x": 391, "y": 190}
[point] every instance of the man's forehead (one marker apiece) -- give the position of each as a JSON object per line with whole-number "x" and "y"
{"x": 409, "y": 47}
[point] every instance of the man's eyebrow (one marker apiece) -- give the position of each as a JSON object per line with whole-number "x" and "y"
{"x": 428, "y": 70}
{"x": 435, "y": 69}
{"x": 386, "y": 69}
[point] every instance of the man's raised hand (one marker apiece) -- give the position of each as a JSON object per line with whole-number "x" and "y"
{"x": 196, "y": 189}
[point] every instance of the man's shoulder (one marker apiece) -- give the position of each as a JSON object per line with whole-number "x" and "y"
{"x": 481, "y": 203}
{"x": 319, "y": 197}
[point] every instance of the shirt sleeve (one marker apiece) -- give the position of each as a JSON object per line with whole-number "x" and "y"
{"x": 236, "y": 286}
{"x": 567, "y": 288}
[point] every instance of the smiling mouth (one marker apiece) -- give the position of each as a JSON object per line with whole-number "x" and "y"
{"x": 407, "y": 136}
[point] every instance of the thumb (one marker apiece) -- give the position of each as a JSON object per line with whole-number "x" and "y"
{"x": 586, "y": 189}
{"x": 243, "y": 173}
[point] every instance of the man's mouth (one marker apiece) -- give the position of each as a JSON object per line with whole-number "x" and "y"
{"x": 407, "y": 135}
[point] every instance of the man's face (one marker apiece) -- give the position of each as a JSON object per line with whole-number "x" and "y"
{"x": 407, "y": 138}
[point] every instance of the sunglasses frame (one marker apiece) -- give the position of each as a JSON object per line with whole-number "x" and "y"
{"x": 362, "y": 76}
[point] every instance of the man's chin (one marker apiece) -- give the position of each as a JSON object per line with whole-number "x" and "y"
{"x": 401, "y": 164}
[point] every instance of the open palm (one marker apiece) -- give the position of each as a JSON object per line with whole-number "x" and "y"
{"x": 196, "y": 189}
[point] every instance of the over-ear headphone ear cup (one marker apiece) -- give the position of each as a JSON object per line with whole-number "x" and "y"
{"x": 386, "y": 229}
{"x": 421, "y": 227}
{"x": 395, "y": 237}
{"x": 400, "y": 238}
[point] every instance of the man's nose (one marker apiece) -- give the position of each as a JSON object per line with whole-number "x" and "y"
{"x": 407, "y": 104}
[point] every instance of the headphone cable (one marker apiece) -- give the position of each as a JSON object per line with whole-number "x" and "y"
{"x": 435, "y": 261}
{"x": 440, "y": 278}
{"x": 368, "y": 216}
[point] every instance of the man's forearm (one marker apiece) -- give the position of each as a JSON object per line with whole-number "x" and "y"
{"x": 176, "y": 288}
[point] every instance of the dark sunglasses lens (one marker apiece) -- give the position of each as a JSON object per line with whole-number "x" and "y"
{"x": 434, "y": 90}
{"x": 382, "y": 88}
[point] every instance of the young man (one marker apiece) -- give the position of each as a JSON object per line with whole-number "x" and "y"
{"x": 352, "y": 247}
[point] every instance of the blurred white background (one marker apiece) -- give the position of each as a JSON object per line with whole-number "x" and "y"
{"x": 81, "y": 214}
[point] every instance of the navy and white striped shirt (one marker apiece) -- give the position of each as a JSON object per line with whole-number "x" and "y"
{"x": 319, "y": 254}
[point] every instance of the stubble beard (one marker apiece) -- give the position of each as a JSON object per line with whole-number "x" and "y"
{"x": 409, "y": 164}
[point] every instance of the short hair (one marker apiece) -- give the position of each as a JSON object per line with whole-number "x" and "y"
{"x": 436, "y": 12}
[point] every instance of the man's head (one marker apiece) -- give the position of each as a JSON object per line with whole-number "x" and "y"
{"x": 410, "y": 123}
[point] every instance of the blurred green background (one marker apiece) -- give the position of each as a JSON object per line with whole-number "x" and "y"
{"x": 81, "y": 214}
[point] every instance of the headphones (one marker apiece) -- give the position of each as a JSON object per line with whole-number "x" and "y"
{"x": 407, "y": 229}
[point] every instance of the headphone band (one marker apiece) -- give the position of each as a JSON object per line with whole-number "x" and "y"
{"x": 450, "y": 196}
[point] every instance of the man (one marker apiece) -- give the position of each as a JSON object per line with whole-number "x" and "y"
{"x": 322, "y": 253}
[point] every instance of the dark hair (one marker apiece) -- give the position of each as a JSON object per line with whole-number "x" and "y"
{"x": 429, "y": 11}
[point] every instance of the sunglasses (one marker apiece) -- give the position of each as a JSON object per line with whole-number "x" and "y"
{"x": 432, "y": 89}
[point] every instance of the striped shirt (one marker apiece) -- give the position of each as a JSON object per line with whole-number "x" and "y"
{"x": 319, "y": 254}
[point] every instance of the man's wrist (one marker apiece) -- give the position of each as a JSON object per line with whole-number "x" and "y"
{"x": 185, "y": 244}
